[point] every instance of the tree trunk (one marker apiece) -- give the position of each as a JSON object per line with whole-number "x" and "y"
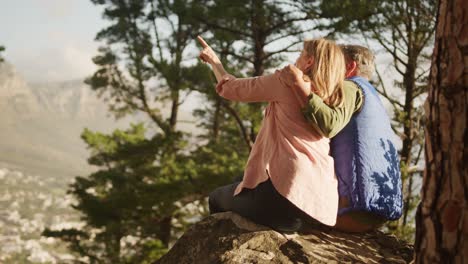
{"x": 165, "y": 230}
{"x": 408, "y": 140}
{"x": 442, "y": 218}
{"x": 216, "y": 119}
{"x": 259, "y": 36}
{"x": 174, "y": 110}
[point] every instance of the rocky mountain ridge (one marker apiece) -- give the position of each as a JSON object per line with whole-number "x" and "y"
{"x": 41, "y": 123}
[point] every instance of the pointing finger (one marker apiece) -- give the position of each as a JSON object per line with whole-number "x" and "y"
{"x": 202, "y": 42}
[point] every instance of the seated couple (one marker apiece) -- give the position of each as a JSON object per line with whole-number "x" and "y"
{"x": 295, "y": 174}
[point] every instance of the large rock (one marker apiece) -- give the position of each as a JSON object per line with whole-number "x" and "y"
{"x": 229, "y": 238}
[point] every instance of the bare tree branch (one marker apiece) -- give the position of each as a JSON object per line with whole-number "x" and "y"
{"x": 288, "y": 35}
{"x": 227, "y": 52}
{"x": 277, "y": 26}
{"x": 395, "y": 26}
{"x": 242, "y": 128}
{"x": 269, "y": 54}
{"x": 156, "y": 35}
{"x": 390, "y": 50}
{"x": 384, "y": 93}
{"x": 228, "y": 29}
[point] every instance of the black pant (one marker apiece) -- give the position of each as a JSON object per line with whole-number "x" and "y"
{"x": 263, "y": 205}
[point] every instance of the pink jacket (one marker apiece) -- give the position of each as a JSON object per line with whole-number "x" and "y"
{"x": 286, "y": 149}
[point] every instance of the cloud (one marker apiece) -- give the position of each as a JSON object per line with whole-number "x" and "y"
{"x": 56, "y": 8}
{"x": 62, "y": 63}
{"x": 52, "y": 40}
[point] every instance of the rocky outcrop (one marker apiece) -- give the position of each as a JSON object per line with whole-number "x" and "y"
{"x": 229, "y": 238}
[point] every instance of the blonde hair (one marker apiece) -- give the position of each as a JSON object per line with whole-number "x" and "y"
{"x": 328, "y": 71}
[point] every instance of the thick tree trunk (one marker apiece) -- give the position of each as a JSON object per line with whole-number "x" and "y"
{"x": 442, "y": 219}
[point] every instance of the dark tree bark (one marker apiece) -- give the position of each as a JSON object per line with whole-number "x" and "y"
{"x": 442, "y": 218}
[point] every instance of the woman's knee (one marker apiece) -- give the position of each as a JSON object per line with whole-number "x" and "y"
{"x": 221, "y": 199}
{"x": 213, "y": 203}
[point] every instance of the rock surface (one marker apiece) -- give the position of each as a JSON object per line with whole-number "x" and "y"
{"x": 230, "y": 238}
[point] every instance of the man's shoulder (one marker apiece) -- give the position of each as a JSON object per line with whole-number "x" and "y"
{"x": 351, "y": 86}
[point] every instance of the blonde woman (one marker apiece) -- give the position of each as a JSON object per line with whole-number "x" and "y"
{"x": 289, "y": 174}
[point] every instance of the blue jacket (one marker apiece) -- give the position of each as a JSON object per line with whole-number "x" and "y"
{"x": 366, "y": 159}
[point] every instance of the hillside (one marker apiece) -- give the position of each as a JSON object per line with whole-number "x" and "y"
{"x": 40, "y": 153}
{"x": 41, "y": 124}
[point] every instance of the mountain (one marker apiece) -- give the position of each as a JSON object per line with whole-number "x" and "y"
{"x": 41, "y": 123}
{"x": 40, "y": 153}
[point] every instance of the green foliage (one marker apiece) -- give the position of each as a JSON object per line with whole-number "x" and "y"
{"x": 144, "y": 176}
{"x": 1, "y": 50}
{"x": 152, "y": 251}
{"x": 130, "y": 196}
{"x": 134, "y": 204}
{"x": 348, "y": 15}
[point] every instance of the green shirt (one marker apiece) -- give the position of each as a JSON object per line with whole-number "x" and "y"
{"x": 330, "y": 120}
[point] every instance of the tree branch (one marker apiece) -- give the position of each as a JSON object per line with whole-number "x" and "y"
{"x": 227, "y": 52}
{"x": 277, "y": 26}
{"x": 242, "y": 128}
{"x": 156, "y": 35}
{"x": 228, "y": 29}
{"x": 387, "y": 48}
{"x": 288, "y": 35}
{"x": 269, "y": 54}
{"x": 384, "y": 93}
{"x": 394, "y": 26}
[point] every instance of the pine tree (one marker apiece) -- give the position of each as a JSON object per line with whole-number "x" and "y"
{"x": 441, "y": 220}
{"x": 147, "y": 173}
{"x": 143, "y": 171}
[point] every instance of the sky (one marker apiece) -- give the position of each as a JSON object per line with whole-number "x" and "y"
{"x": 53, "y": 40}
{"x": 50, "y": 40}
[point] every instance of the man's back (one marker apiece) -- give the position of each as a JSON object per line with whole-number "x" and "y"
{"x": 366, "y": 160}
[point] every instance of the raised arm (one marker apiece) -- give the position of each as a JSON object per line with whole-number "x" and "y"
{"x": 257, "y": 89}
{"x": 209, "y": 56}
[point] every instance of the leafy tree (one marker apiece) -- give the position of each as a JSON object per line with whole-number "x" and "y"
{"x": 128, "y": 198}
{"x": 143, "y": 171}
{"x": 404, "y": 29}
{"x": 441, "y": 220}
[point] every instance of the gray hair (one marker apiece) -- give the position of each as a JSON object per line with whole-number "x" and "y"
{"x": 363, "y": 57}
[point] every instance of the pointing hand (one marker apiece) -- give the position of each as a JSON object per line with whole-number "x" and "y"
{"x": 207, "y": 54}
